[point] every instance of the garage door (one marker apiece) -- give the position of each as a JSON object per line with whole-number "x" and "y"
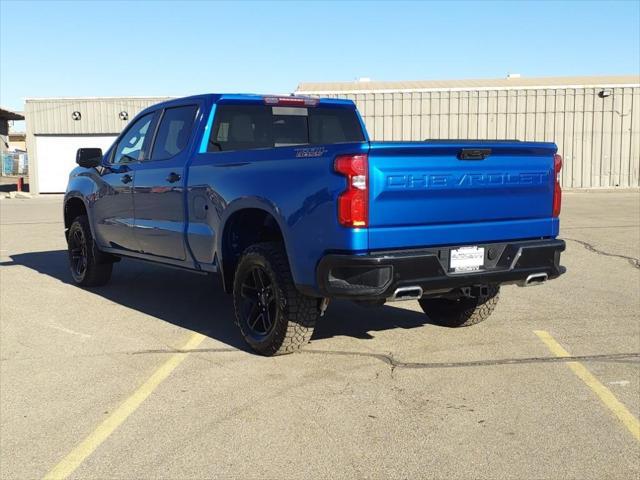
{"x": 56, "y": 157}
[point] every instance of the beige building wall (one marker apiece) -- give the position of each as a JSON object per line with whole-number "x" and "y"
{"x": 99, "y": 116}
{"x": 594, "y": 121}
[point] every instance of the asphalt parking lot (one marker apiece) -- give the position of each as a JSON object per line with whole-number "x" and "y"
{"x": 149, "y": 378}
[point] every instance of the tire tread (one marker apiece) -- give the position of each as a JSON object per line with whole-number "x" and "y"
{"x": 462, "y": 313}
{"x": 301, "y": 311}
{"x": 98, "y": 273}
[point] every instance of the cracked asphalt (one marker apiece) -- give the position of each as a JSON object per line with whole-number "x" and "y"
{"x": 379, "y": 393}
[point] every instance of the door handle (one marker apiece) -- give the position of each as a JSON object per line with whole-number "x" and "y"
{"x": 173, "y": 177}
{"x": 126, "y": 178}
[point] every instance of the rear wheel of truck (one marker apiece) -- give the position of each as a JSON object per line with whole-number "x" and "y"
{"x": 273, "y": 316}
{"x": 463, "y": 311}
{"x": 87, "y": 269}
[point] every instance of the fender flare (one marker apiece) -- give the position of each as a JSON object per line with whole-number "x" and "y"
{"x": 243, "y": 203}
{"x": 83, "y": 188}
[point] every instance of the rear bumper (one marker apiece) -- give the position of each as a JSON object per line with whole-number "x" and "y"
{"x": 377, "y": 276}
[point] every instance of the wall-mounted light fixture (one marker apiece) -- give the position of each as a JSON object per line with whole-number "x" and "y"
{"x": 605, "y": 93}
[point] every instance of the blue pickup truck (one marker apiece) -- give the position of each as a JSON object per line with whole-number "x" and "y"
{"x": 287, "y": 199}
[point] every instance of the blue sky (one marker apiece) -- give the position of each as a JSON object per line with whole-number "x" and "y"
{"x": 88, "y": 48}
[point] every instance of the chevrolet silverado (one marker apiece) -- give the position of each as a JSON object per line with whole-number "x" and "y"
{"x": 287, "y": 199}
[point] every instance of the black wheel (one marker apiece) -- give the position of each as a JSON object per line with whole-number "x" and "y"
{"x": 274, "y": 318}
{"x": 85, "y": 264}
{"x": 463, "y": 311}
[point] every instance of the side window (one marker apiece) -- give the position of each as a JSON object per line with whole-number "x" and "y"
{"x": 129, "y": 147}
{"x": 174, "y": 132}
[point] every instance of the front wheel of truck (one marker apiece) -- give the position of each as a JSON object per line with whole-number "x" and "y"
{"x": 463, "y": 311}
{"x": 87, "y": 268}
{"x": 273, "y": 316}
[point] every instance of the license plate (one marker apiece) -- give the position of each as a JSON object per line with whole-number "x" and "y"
{"x": 466, "y": 259}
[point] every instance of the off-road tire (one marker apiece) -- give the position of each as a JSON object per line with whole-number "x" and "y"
{"x": 461, "y": 312}
{"x": 96, "y": 271}
{"x": 295, "y": 313}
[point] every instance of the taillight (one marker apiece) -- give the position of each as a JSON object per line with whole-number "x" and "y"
{"x": 557, "y": 191}
{"x": 353, "y": 203}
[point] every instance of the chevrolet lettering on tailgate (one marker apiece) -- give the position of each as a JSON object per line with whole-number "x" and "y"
{"x": 466, "y": 180}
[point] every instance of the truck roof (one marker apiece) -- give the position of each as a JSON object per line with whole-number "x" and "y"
{"x": 252, "y": 98}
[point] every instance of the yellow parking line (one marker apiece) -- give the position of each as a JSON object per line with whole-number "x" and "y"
{"x": 78, "y": 455}
{"x": 607, "y": 397}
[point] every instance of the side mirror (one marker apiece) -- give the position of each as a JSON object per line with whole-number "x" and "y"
{"x": 89, "y": 157}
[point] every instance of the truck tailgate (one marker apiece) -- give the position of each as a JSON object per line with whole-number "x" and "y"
{"x": 459, "y": 192}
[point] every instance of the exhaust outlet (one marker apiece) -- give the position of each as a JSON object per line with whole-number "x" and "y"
{"x": 534, "y": 279}
{"x": 406, "y": 293}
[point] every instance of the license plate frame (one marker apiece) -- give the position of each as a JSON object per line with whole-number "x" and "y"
{"x": 466, "y": 259}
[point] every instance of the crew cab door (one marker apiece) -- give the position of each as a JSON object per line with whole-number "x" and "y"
{"x": 113, "y": 206}
{"x": 158, "y": 189}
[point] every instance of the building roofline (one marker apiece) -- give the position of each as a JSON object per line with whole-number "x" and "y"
{"x": 79, "y": 99}
{"x": 520, "y": 83}
{"x": 8, "y": 114}
{"x": 464, "y": 89}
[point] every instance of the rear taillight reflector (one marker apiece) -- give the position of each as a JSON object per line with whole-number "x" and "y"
{"x": 353, "y": 203}
{"x": 557, "y": 191}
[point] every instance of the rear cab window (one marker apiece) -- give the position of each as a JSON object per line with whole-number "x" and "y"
{"x": 248, "y": 127}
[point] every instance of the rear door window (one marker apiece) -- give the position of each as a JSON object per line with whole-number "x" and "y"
{"x": 174, "y": 132}
{"x": 248, "y": 127}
